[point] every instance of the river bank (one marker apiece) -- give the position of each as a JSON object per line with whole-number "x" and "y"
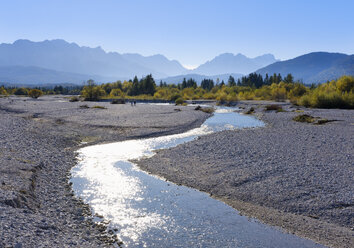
{"x": 297, "y": 176}
{"x": 38, "y": 141}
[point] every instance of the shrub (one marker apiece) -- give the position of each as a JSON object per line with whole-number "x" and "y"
{"x": 175, "y": 96}
{"x": 84, "y": 106}
{"x": 3, "y": 91}
{"x": 345, "y": 84}
{"x": 117, "y": 93}
{"x": 208, "y": 110}
{"x": 273, "y": 107}
{"x": 74, "y": 99}
{"x": 250, "y": 111}
{"x": 334, "y": 94}
{"x": 35, "y": 93}
{"x": 99, "y": 107}
{"x": 322, "y": 121}
{"x": 298, "y": 91}
{"x": 21, "y": 92}
{"x": 330, "y": 100}
{"x": 304, "y": 118}
{"x": 279, "y": 94}
{"x": 91, "y": 92}
{"x": 305, "y": 101}
{"x": 179, "y": 101}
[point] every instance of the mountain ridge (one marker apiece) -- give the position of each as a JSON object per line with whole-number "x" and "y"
{"x": 60, "y": 55}
{"x": 58, "y": 61}
{"x": 315, "y": 67}
{"x": 231, "y": 63}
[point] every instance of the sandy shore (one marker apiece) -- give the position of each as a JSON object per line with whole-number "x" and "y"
{"x": 38, "y": 140}
{"x": 297, "y": 176}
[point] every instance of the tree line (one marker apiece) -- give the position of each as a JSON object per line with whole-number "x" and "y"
{"x": 337, "y": 93}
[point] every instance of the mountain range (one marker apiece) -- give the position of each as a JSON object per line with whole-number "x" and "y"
{"x": 229, "y": 63}
{"x": 316, "y": 67}
{"x": 58, "y": 62}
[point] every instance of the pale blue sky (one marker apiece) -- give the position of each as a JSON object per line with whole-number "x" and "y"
{"x": 191, "y": 31}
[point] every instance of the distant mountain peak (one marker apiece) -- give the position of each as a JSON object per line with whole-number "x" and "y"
{"x": 230, "y": 63}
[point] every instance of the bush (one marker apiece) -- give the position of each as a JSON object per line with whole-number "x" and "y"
{"x": 250, "y": 111}
{"x": 175, "y": 96}
{"x": 273, "y": 107}
{"x": 91, "y": 92}
{"x": 3, "y": 91}
{"x": 179, "y": 101}
{"x": 304, "y": 118}
{"x": 35, "y": 93}
{"x": 305, "y": 101}
{"x": 279, "y": 94}
{"x": 21, "y": 92}
{"x": 117, "y": 93}
{"x": 334, "y": 94}
{"x": 208, "y": 110}
{"x": 99, "y": 107}
{"x": 74, "y": 99}
{"x": 345, "y": 84}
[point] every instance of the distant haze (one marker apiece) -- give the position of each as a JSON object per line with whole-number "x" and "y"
{"x": 230, "y": 63}
{"x": 57, "y": 61}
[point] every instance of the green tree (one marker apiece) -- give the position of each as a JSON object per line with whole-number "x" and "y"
{"x": 148, "y": 85}
{"x": 91, "y": 92}
{"x": 231, "y": 82}
{"x": 289, "y": 79}
{"x": 135, "y": 89}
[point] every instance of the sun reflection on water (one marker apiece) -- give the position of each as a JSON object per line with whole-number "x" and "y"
{"x": 149, "y": 212}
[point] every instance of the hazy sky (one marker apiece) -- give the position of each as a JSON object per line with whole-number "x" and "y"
{"x": 191, "y": 31}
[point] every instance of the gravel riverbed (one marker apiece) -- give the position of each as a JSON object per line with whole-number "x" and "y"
{"x": 298, "y": 176}
{"x": 38, "y": 140}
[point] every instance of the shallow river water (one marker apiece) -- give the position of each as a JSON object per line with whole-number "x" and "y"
{"x": 148, "y": 211}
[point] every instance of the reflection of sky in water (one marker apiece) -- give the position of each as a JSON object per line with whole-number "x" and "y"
{"x": 150, "y": 212}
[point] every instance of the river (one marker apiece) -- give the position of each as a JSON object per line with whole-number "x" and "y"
{"x": 147, "y": 211}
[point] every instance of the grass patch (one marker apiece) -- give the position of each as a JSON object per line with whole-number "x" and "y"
{"x": 208, "y": 110}
{"x": 281, "y": 110}
{"x": 99, "y": 107}
{"x": 323, "y": 121}
{"x": 74, "y": 99}
{"x": 310, "y": 119}
{"x": 272, "y": 107}
{"x": 304, "y": 118}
